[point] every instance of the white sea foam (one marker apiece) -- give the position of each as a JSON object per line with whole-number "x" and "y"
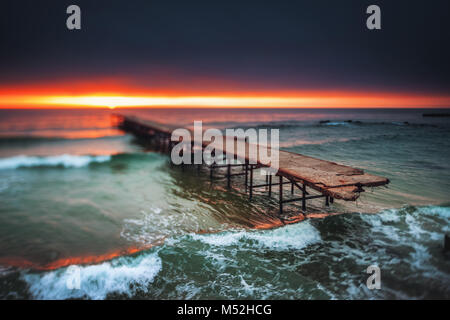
{"x": 295, "y": 236}
{"x": 123, "y": 275}
{"x": 155, "y": 224}
{"x": 5, "y": 271}
{"x": 337, "y": 123}
{"x": 65, "y": 160}
{"x": 443, "y": 212}
{"x": 419, "y": 222}
{"x": 421, "y": 233}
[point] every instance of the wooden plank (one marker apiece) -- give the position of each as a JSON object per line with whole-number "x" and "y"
{"x": 329, "y": 178}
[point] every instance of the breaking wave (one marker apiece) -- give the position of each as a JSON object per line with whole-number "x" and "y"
{"x": 124, "y": 275}
{"x": 27, "y": 139}
{"x": 295, "y": 236}
{"x": 129, "y": 275}
{"x": 404, "y": 242}
{"x": 65, "y": 160}
{"x": 292, "y": 124}
{"x": 372, "y": 123}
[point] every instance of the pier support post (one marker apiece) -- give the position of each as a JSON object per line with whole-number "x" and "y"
{"x": 246, "y": 176}
{"x": 303, "y": 197}
{"x": 158, "y": 137}
{"x": 182, "y": 162}
{"x": 251, "y": 182}
{"x": 281, "y": 194}
{"x": 211, "y": 167}
{"x": 270, "y": 185}
{"x": 192, "y": 153}
{"x": 168, "y": 145}
{"x": 170, "y": 153}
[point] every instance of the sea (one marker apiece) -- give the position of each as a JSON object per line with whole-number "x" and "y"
{"x": 90, "y": 212}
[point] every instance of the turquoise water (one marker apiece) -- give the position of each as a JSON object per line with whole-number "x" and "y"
{"x": 76, "y": 191}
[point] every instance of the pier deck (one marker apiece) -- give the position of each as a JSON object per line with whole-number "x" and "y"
{"x": 331, "y": 180}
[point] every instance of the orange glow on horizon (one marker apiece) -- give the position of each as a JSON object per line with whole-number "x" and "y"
{"x": 324, "y": 100}
{"x": 114, "y": 93}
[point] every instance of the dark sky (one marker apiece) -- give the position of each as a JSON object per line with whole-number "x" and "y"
{"x": 259, "y": 44}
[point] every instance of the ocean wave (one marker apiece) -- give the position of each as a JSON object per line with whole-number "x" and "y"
{"x": 303, "y": 142}
{"x": 419, "y": 221}
{"x": 324, "y": 123}
{"x": 133, "y": 275}
{"x": 401, "y": 241}
{"x": 31, "y": 139}
{"x": 295, "y": 236}
{"x": 348, "y": 123}
{"x": 65, "y": 160}
{"x": 334, "y": 123}
{"x": 5, "y": 271}
{"x": 412, "y": 237}
{"x": 365, "y": 141}
{"x": 257, "y": 124}
{"x": 283, "y": 124}
{"x": 124, "y": 275}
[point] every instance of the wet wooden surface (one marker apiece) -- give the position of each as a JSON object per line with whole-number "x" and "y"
{"x": 329, "y": 178}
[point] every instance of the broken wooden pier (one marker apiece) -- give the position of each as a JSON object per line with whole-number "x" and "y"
{"x": 330, "y": 180}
